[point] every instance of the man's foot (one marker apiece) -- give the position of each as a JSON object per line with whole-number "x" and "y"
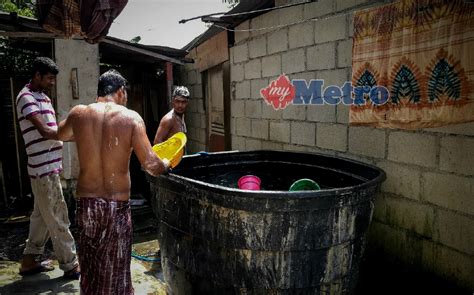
{"x": 73, "y": 274}
{"x": 29, "y": 268}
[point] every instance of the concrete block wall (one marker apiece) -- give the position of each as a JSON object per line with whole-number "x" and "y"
{"x": 424, "y": 215}
{"x": 195, "y": 116}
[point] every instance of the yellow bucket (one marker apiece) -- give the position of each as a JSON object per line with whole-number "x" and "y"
{"x": 172, "y": 149}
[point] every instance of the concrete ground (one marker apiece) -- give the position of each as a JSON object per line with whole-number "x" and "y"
{"x": 145, "y": 276}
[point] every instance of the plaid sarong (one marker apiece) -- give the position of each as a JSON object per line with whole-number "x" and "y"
{"x": 105, "y": 240}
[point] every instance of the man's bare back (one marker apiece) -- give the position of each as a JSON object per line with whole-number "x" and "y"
{"x": 105, "y": 134}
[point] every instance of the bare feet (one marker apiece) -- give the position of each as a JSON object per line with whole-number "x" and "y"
{"x": 29, "y": 265}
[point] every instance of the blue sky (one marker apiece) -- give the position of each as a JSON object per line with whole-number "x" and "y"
{"x": 156, "y": 21}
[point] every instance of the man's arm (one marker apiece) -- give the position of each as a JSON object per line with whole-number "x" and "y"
{"x": 145, "y": 154}
{"x": 65, "y": 131}
{"x": 29, "y": 108}
{"x": 163, "y": 130}
{"x": 45, "y": 131}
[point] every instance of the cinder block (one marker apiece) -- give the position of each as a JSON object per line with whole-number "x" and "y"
{"x": 202, "y": 135}
{"x": 260, "y": 129}
{"x": 240, "y": 53}
{"x": 236, "y": 72}
{"x": 243, "y": 127}
{"x": 367, "y": 141}
{"x": 344, "y": 53}
{"x": 407, "y": 214}
{"x": 342, "y": 113}
{"x": 461, "y": 129}
{"x": 264, "y": 23}
{"x": 330, "y": 29}
{"x": 412, "y": 148}
{"x": 197, "y": 90}
{"x": 455, "y": 230}
{"x": 271, "y": 65}
{"x": 237, "y": 108}
{"x": 255, "y": 87}
{"x": 268, "y": 112}
{"x": 242, "y": 89}
{"x": 317, "y": 9}
{"x": 303, "y": 133}
{"x": 294, "y": 148}
{"x": 401, "y": 180}
{"x": 257, "y": 47}
{"x": 457, "y": 155}
{"x": 280, "y": 131}
{"x": 333, "y": 77}
{"x": 294, "y": 112}
{"x": 253, "y": 109}
{"x": 448, "y": 191}
{"x": 192, "y": 79}
{"x": 331, "y": 136}
{"x": 448, "y": 263}
{"x": 238, "y": 143}
{"x": 345, "y": 4}
{"x": 300, "y": 35}
{"x": 293, "y": 61}
{"x": 322, "y": 56}
{"x": 253, "y": 144}
{"x": 253, "y": 69}
{"x": 239, "y": 35}
{"x": 277, "y": 41}
{"x": 321, "y": 113}
{"x": 270, "y": 145}
{"x": 290, "y": 15}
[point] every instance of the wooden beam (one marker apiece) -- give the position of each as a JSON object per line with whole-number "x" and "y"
{"x": 29, "y": 35}
{"x": 143, "y": 51}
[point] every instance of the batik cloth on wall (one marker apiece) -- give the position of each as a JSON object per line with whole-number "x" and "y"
{"x": 422, "y": 51}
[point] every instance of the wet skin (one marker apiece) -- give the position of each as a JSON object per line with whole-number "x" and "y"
{"x": 106, "y": 132}
{"x": 169, "y": 124}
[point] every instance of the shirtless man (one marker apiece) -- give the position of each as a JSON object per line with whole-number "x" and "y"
{"x": 173, "y": 121}
{"x": 106, "y": 132}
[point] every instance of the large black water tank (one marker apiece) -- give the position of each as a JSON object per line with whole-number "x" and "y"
{"x": 217, "y": 239}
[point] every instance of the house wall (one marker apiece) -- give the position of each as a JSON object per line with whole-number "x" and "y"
{"x": 71, "y": 54}
{"x": 424, "y": 214}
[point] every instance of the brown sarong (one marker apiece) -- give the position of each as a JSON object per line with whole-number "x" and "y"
{"x": 105, "y": 240}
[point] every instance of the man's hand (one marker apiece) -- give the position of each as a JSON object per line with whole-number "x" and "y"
{"x": 167, "y": 164}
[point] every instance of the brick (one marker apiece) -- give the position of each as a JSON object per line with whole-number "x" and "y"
{"x": 330, "y": 29}
{"x": 461, "y": 129}
{"x": 401, "y": 180}
{"x": 321, "y": 56}
{"x": 344, "y": 53}
{"x": 277, "y": 41}
{"x": 367, "y": 141}
{"x": 271, "y": 65}
{"x": 257, "y": 47}
{"x": 255, "y": 87}
{"x": 240, "y": 53}
{"x": 253, "y": 144}
{"x": 240, "y": 36}
{"x": 242, "y": 89}
{"x": 300, "y": 35}
{"x": 290, "y": 15}
{"x": 238, "y": 143}
{"x": 455, "y": 231}
{"x": 321, "y": 113}
{"x": 280, "y": 131}
{"x": 342, "y": 114}
{"x": 259, "y": 129}
{"x": 253, "y": 69}
{"x": 456, "y": 155}
{"x": 253, "y": 109}
{"x": 294, "y": 112}
{"x": 412, "y": 148}
{"x": 331, "y": 136}
{"x": 293, "y": 61}
{"x": 267, "y": 20}
{"x": 407, "y": 214}
{"x": 243, "y": 127}
{"x": 303, "y": 133}
{"x": 448, "y": 191}
{"x": 236, "y": 73}
{"x": 345, "y": 4}
{"x": 270, "y": 145}
{"x": 268, "y": 112}
{"x": 317, "y": 9}
{"x": 237, "y": 108}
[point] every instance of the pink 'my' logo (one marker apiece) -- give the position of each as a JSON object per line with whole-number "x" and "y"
{"x": 279, "y": 93}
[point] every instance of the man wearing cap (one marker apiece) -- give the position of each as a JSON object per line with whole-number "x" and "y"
{"x": 173, "y": 121}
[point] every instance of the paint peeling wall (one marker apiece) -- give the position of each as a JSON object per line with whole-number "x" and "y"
{"x": 424, "y": 216}
{"x": 69, "y": 55}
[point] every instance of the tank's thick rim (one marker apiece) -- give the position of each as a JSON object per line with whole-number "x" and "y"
{"x": 280, "y": 194}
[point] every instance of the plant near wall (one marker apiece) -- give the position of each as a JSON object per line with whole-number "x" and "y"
{"x": 21, "y": 7}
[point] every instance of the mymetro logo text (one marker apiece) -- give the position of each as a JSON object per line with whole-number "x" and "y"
{"x": 282, "y": 92}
